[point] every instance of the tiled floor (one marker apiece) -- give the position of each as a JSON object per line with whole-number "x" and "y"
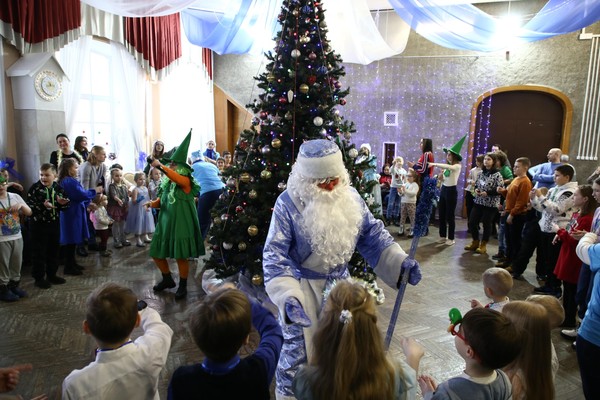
{"x": 45, "y": 328}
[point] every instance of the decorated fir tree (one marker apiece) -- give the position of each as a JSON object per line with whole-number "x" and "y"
{"x": 301, "y": 93}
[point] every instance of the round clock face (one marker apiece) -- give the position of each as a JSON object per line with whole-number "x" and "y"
{"x": 47, "y": 85}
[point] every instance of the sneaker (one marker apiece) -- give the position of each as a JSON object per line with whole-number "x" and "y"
{"x": 118, "y": 246}
{"x": 574, "y": 345}
{"x": 42, "y": 284}
{"x": 410, "y": 235}
{"x": 56, "y": 280}
{"x": 498, "y": 256}
{"x": 556, "y": 292}
{"x": 504, "y": 264}
{"x": 105, "y": 253}
{"x": 7, "y": 295}
{"x": 450, "y": 242}
{"x": 14, "y": 287}
{"x": 126, "y": 243}
{"x": 140, "y": 245}
{"x": 569, "y": 333}
{"x": 442, "y": 240}
{"x": 147, "y": 240}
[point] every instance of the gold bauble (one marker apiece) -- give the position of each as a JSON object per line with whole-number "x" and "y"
{"x": 271, "y": 77}
{"x": 242, "y": 246}
{"x": 253, "y": 230}
{"x": 245, "y": 177}
{"x": 265, "y": 174}
{"x": 257, "y": 280}
{"x": 217, "y": 221}
{"x": 303, "y": 88}
{"x": 276, "y": 143}
{"x": 252, "y": 194}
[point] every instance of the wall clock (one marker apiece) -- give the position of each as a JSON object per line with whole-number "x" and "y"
{"x": 47, "y": 85}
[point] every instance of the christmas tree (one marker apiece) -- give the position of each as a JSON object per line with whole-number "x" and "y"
{"x": 301, "y": 93}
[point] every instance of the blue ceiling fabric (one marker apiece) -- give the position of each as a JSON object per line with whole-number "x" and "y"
{"x": 466, "y": 27}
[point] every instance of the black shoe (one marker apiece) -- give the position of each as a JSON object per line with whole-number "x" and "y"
{"x": 515, "y": 275}
{"x": 82, "y": 252}
{"x": 93, "y": 247}
{"x": 499, "y": 256}
{"x": 56, "y": 280}
{"x": 181, "y": 292}
{"x": 42, "y": 284}
{"x": 166, "y": 283}
{"x": 549, "y": 290}
{"x": 72, "y": 271}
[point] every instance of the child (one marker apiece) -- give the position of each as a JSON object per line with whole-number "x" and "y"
{"x": 153, "y": 185}
{"x": 221, "y": 164}
{"x": 470, "y": 188}
{"x": 12, "y": 187}
{"x": 11, "y": 243}
{"x": 568, "y": 264}
{"x": 385, "y": 180}
{"x": 408, "y": 208}
{"x": 123, "y": 369}
{"x": 220, "y": 325}
{"x": 73, "y": 220}
{"x": 487, "y": 340}
{"x": 497, "y": 283}
{"x": 398, "y": 179}
{"x": 139, "y": 218}
{"x": 556, "y": 209}
{"x": 46, "y": 199}
{"x": 101, "y": 222}
{"x": 556, "y": 316}
{"x": 531, "y": 372}
{"x": 227, "y": 158}
{"x": 449, "y": 194}
{"x": 349, "y": 359}
{"x": 118, "y": 205}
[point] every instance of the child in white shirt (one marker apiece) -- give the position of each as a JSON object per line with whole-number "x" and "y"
{"x": 408, "y": 192}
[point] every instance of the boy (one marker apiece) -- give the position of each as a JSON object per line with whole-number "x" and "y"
{"x": 123, "y": 369}
{"x": 220, "y": 325}
{"x": 46, "y": 198}
{"x": 497, "y": 283}
{"x": 515, "y": 209}
{"x": 556, "y": 209}
{"x": 487, "y": 340}
{"x": 11, "y": 243}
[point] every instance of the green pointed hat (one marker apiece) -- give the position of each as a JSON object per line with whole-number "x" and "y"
{"x": 179, "y": 156}
{"x": 456, "y": 148}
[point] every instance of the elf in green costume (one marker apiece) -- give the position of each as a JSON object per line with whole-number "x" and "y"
{"x": 177, "y": 232}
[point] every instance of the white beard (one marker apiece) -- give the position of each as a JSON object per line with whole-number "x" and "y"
{"x": 331, "y": 219}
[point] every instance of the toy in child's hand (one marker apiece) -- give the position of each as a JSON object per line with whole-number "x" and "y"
{"x": 140, "y": 198}
{"x": 455, "y": 318}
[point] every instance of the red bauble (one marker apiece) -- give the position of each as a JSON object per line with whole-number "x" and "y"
{"x": 343, "y": 102}
{"x": 311, "y": 79}
{"x": 282, "y": 100}
{"x": 263, "y": 115}
{"x": 312, "y": 55}
{"x": 239, "y": 209}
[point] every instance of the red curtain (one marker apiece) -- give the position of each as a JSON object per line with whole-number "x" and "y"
{"x": 158, "y": 39}
{"x": 207, "y": 61}
{"x": 38, "y": 20}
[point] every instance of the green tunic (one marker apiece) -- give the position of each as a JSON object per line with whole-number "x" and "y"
{"x": 177, "y": 232}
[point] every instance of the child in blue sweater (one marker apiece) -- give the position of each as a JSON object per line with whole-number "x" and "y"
{"x": 220, "y": 325}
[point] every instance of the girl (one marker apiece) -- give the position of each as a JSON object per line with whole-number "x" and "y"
{"x": 568, "y": 264}
{"x": 153, "y": 185}
{"x": 369, "y": 165}
{"x": 73, "y": 219}
{"x": 423, "y": 166}
{"x": 531, "y": 373}
{"x": 118, "y": 204}
{"x": 398, "y": 179}
{"x": 449, "y": 194}
{"x": 92, "y": 175}
{"x": 409, "y": 201}
{"x": 101, "y": 222}
{"x": 81, "y": 146}
{"x": 385, "y": 181}
{"x": 139, "y": 218}
{"x": 158, "y": 152}
{"x": 64, "y": 151}
{"x": 349, "y": 359}
{"x": 470, "y": 188}
{"x": 486, "y": 204}
{"x": 178, "y": 235}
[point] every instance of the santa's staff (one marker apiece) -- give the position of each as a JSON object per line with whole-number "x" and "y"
{"x": 421, "y": 222}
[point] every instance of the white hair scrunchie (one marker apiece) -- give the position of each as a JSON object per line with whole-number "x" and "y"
{"x": 345, "y": 317}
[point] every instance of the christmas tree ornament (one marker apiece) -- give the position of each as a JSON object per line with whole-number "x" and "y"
{"x": 290, "y": 95}
{"x": 282, "y": 100}
{"x": 265, "y": 150}
{"x": 281, "y": 186}
{"x": 295, "y": 53}
{"x": 255, "y": 121}
{"x": 307, "y": 20}
{"x": 347, "y": 135}
{"x": 276, "y": 143}
{"x": 252, "y": 230}
{"x": 245, "y": 177}
{"x": 271, "y": 77}
{"x": 227, "y": 246}
{"x": 353, "y": 153}
{"x": 253, "y": 194}
{"x": 263, "y": 115}
{"x": 337, "y": 84}
{"x": 342, "y": 102}
{"x": 257, "y": 280}
{"x": 295, "y": 12}
{"x": 304, "y": 39}
{"x": 265, "y": 174}
{"x": 239, "y": 209}
{"x": 224, "y": 217}
{"x": 303, "y": 88}
{"x": 242, "y": 246}
{"x": 312, "y": 56}
{"x": 322, "y": 24}
{"x": 318, "y": 121}
{"x": 323, "y": 132}
{"x": 307, "y": 9}
{"x": 217, "y": 221}
{"x": 231, "y": 182}
{"x": 312, "y": 79}
{"x": 288, "y": 115}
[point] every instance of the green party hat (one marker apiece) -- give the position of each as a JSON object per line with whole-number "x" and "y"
{"x": 180, "y": 154}
{"x": 456, "y": 148}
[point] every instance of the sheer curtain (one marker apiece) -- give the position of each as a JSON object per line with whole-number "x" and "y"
{"x": 129, "y": 90}
{"x": 71, "y": 58}
{"x": 141, "y": 8}
{"x": 2, "y": 109}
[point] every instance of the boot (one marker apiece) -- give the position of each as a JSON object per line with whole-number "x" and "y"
{"x": 13, "y": 286}
{"x": 182, "y": 289}
{"x": 166, "y": 283}
{"x": 7, "y": 295}
{"x": 473, "y": 246}
{"x": 482, "y": 248}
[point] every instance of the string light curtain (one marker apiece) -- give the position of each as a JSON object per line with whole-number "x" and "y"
{"x": 35, "y": 26}
{"x": 466, "y": 27}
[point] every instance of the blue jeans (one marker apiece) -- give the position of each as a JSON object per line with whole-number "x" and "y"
{"x": 393, "y": 208}
{"x": 502, "y": 234}
{"x": 588, "y": 355}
